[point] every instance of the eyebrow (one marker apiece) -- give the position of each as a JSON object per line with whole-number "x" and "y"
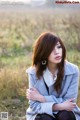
{"x": 58, "y": 43}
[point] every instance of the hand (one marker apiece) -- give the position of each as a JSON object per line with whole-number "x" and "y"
{"x": 33, "y": 94}
{"x": 68, "y": 105}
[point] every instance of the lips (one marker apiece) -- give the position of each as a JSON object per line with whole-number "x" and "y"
{"x": 58, "y": 57}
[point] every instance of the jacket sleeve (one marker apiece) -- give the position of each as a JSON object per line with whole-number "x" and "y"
{"x": 72, "y": 91}
{"x": 36, "y": 106}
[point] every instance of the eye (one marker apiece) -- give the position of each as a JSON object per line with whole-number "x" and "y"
{"x": 59, "y": 46}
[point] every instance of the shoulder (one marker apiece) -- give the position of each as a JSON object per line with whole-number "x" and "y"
{"x": 71, "y": 68}
{"x": 31, "y": 70}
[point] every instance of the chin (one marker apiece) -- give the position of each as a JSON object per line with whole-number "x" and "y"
{"x": 58, "y": 61}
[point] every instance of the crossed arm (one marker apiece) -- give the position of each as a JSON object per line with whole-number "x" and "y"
{"x": 65, "y": 103}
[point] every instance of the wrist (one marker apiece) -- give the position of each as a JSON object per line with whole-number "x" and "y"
{"x": 41, "y": 98}
{"x": 61, "y": 106}
{"x": 57, "y": 107}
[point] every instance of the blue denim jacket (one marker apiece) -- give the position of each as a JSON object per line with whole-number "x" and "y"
{"x": 69, "y": 89}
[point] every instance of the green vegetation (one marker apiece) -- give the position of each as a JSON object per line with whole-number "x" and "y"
{"x": 18, "y": 31}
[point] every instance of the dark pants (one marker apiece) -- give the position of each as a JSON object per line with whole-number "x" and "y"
{"x": 62, "y": 115}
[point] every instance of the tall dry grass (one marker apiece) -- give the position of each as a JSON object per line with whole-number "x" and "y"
{"x": 18, "y": 32}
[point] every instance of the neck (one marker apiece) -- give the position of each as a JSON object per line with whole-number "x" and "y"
{"x": 52, "y": 67}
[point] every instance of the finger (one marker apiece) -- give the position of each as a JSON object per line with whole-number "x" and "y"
{"x": 72, "y": 99}
{"x": 27, "y": 97}
{"x": 71, "y": 108}
{"x": 27, "y": 90}
{"x": 29, "y": 94}
{"x": 33, "y": 88}
{"x": 74, "y": 103}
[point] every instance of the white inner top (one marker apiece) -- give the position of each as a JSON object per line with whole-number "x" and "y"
{"x": 49, "y": 78}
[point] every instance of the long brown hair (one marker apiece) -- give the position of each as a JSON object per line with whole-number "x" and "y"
{"x": 42, "y": 49}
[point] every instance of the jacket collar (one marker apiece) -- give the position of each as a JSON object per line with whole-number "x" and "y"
{"x": 68, "y": 69}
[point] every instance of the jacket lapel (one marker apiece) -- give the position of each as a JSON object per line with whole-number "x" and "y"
{"x": 68, "y": 70}
{"x": 48, "y": 79}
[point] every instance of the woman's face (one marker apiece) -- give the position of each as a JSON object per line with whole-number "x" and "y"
{"x": 56, "y": 55}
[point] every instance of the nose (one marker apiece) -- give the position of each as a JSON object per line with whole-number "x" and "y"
{"x": 56, "y": 51}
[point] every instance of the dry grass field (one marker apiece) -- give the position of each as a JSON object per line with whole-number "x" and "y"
{"x": 19, "y": 28}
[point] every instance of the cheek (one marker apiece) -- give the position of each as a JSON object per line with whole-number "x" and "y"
{"x": 60, "y": 51}
{"x": 51, "y": 57}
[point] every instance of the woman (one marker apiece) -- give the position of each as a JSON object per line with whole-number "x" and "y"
{"x": 53, "y": 82}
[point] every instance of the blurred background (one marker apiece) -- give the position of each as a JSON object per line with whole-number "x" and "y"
{"x": 21, "y": 22}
